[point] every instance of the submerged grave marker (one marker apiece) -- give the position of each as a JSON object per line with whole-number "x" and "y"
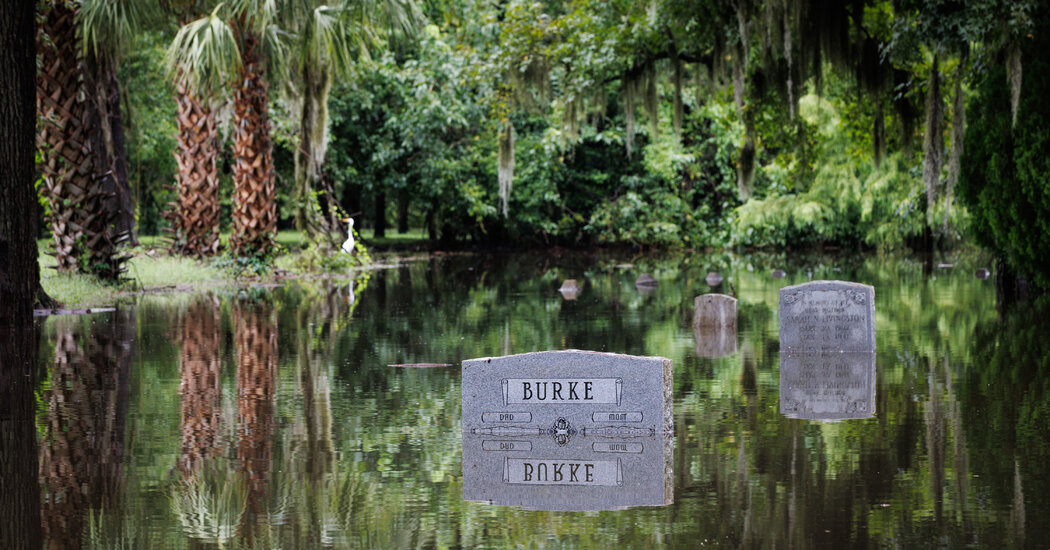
{"x": 827, "y": 350}
{"x": 567, "y": 430}
{"x": 714, "y": 325}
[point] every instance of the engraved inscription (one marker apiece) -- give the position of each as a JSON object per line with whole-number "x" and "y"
{"x": 542, "y": 471}
{"x": 536, "y": 391}
{"x": 827, "y": 316}
{"x": 505, "y": 446}
{"x": 506, "y": 417}
{"x": 625, "y": 416}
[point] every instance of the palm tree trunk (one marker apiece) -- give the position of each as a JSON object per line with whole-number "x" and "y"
{"x": 196, "y": 218}
{"x": 76, "y": 173}
{"x": 254, "y": 205}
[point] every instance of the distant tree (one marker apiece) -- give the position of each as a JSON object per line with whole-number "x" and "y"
{"x": 1005, "y": 177}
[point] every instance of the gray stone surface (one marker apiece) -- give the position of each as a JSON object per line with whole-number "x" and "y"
{"x": 568, "y": 430}
{"x": 714, "y": 310}
{"x": 570, "y": 289}
{"x": 593, "y": 472}
{"x": 713, "y": 278}
{"x": 827, "y": 386}
{"x": 827, "y": 316}
{"x": 577, "y": 386}
{"x": 645, "y": 280}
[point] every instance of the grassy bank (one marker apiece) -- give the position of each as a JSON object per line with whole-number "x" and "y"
{"x": 153, "y": 270}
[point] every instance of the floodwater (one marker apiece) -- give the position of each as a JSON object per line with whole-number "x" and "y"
{"x": 313, "y": 416}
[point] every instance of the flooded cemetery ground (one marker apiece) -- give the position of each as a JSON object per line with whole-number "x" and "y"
{"x": 316, "y": 415}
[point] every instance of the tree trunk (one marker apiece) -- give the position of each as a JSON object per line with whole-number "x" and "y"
{"x": 255, "y": 200}
{"x": 112, "y": 154}
{"x": 19, "y": 270}
{"x": 77, "y": 171}
{"x": 380, "y": 221}
{"x": 309, "y": 160}
{"x": 402, "y": 211}
{"x": 933, "y": 143}
{"x": 19, "y": 485}
{"x": 195, "y": 219}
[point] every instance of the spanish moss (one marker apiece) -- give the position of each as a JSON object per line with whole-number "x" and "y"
{"x": 505, "y": 166}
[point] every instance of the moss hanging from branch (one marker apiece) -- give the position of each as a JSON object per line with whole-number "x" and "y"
{"x": 1014, "y": 78}
{"x": 505, "y": 166}
{"x": 650, "y": 101}
{"x": 932, "y": 145}
{"x": 676, "y": 76}
{"x": 958, "y": 134}
{"x": 628, "y": 115}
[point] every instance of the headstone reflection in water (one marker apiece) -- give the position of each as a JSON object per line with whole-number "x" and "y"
{"x": 827, "y": 351}
{"x": 568, "y": 430}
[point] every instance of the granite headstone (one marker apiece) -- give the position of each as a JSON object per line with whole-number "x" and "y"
{"x": 567, "y": 430}
{"x": 827, "y": 316}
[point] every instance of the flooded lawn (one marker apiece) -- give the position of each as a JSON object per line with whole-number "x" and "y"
{"x": 316, "y": 415}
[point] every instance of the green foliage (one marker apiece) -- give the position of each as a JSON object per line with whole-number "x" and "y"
{"x": 150, "y": 129}
{"x": 1006, "y": 176}
{"x": 847, "y": 201}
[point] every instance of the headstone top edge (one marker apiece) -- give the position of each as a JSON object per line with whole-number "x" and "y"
{"x": 819, "y": 284}
{"x": 566, "y": 352}
{"x": 716, "y": 294}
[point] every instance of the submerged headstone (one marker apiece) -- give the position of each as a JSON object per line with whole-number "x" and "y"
{"x": 714, "y": 325}
{"x": 714, "y": 310}
{"x": 827, "y": 350}
{"x": 570, "y": 289}
{"x": 827, "y": 316}
{"x": 567, "y": 430}
{"x": 713, "y": 278}
{"x": 779, "y": 274}
{"x": 982, "y": 273}
{"x": 645, "y": 280}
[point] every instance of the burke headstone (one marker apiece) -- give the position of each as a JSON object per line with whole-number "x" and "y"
{"x": 567, "y": 430}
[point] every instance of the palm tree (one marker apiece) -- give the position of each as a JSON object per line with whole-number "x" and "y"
{"x": 81, "y": 134}
{"x": 195, "y": 220}
{"x": 328, "y": 38}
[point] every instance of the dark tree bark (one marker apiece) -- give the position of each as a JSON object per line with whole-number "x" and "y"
{"x": 380, "y": 221}
{"x": 20, "y": 504}
{"x": 19, "y": 270}
{"x": 402, "y": 211}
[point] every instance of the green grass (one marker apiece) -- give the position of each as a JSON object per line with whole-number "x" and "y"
{"x": 152, "y": 268}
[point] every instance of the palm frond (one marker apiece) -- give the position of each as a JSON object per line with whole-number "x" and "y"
{"x": 204, "y": 55}
{"x": 106, "y": 26}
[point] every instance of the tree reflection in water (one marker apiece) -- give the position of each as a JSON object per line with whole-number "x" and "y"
{"x": 255, "y": 342}
{"x": 82, "y": 450}
{"x": 19, "y": 488}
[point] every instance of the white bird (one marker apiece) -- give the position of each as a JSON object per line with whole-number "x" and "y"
{"x": 348, "y": 246}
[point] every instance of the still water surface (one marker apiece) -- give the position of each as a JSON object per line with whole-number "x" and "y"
{"x": 277, "y": 417}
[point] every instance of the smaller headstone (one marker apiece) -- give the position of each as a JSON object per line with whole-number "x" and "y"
{"x": 714, "y": 278}
{"x": 570, "y": 290}
{"x": 827, "y": 316}
{"x": 778, "y": 274}
{"x": 983, "y": 273}
{"x": 714, "y": 310}
{"x": 945, "y": 266}
{"x": 645, "y": 280}
{"x": 714, "y": 325}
